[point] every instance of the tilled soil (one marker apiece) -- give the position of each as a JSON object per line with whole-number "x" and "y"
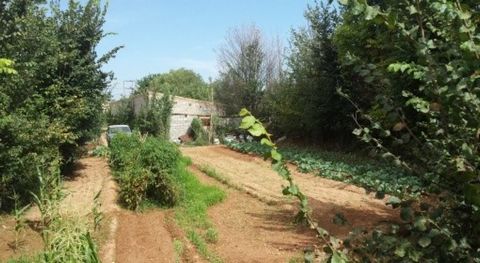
{"x": 143, "y": 238}
{"x": 252, "y": 231}
{"x": 327, "y": 197}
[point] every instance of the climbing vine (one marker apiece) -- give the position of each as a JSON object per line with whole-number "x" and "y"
{"x": 256, "y": 128}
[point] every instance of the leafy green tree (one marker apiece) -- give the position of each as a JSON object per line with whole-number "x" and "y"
{"x": 54, "y": 102}
{"x": 154, "y": 118}
{"x": 421, "y": 60}
{"x": 180, "y": 82}
{"x": 311, "y": 100}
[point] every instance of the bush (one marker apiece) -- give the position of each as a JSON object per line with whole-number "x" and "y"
{"x": 25, "y": 144}
{"x": 160, "y": 158}
{"x": 144, "y": 170}
{"x": 199, "y": 134}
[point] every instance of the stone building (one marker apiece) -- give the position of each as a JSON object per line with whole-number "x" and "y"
{"x": 183, "y": 112}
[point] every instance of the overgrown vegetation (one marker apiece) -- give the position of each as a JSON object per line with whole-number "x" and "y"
{"x": 405, "y": 74}
{"x": 66, "y": 238}
{"x": 51, "y": 88}
{"x": 144, "y": 168}
{"x": 198, "y": 133}
{"x": 152, "y": 119}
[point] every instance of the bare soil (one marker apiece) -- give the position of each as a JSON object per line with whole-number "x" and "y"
{"x": 252, "y": 231}
{"x": 143, "y": 238}
{"x": 327, "y": 197}
{"x": 29, "y": 241}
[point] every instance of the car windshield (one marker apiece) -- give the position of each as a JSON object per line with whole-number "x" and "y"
{"x": 123, "y": 129}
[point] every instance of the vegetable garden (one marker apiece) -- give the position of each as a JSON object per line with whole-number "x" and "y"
{"x": 385, "y": 93}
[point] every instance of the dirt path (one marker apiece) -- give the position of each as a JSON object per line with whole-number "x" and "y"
{"x": 252, "y": 231}
{"x": 143, "y": 238}
{"x": 326, "y": 197}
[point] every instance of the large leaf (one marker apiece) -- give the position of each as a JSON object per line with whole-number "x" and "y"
{"x": 247, "y": 122}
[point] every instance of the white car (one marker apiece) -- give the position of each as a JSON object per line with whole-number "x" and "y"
{"x": 116, "y": 129}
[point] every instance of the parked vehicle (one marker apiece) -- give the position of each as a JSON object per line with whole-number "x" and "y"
{"x": 117, "y": 129}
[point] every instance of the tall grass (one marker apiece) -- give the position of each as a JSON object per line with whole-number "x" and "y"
{"x": 66, "y": 239}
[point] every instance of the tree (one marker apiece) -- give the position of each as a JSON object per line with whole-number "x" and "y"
{"x": 422, "y": 66}
{"x": 180, "y": 82}
{"x": 248, "y": 67}
{"x": 310, "y": 100}
{"x": 54, "y": 102}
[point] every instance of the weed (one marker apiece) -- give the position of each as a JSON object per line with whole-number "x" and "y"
{"x": 179, "y": 250}
{"x": 65, "y": 239}
{"x": 144, "y": 169}
{"x": 210, "y": 171}
{"x": 202, "y": 247}
{"x": 96, "y": 211}
{"x": 211, "y": 235}
{"x": 101, "y": 151}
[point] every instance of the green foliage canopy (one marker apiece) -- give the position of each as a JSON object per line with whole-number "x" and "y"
{"x": 54, "y": 102}
{"x": 180, "y": 82}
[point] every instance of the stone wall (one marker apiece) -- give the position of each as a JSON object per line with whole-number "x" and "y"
{"x": 183, "y": 112}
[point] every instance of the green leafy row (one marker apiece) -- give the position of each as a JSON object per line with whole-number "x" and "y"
{"x": 371, "y": 174}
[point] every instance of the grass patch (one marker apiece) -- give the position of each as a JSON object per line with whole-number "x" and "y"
{"x": 211, "y": 172}
{"x": 191, "y": 214}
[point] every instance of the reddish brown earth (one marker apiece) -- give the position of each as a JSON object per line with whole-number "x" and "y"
{"x": 30, "y": 241}
{"x": 143, "y": 238}
{"x": 252, "y": 231}
{"x": 327, "y": 197}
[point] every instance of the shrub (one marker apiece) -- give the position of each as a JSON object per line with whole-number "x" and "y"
{"x": 160, "y": 157}
{"x": 144, "y": 169}
{"x": 154, "y": 118}
{"x": 199, "y": 134}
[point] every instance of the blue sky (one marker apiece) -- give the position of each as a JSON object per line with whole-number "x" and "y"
{"x": 160, "y": 35}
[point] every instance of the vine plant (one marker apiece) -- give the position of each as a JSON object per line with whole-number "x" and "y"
{"x": 256, "y": 128}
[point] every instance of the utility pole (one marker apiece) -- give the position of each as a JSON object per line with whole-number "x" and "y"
{"x": 212, "y": 138}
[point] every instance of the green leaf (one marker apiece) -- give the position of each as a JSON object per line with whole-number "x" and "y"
{"x": 394, "y": 201}
{"x": 267, "y": 142}
{"x": 412, "y": 10}
{"x": 343, "y": 2}
{"x": 276, "y": 155}
{"x": 371, "y": 12}
{"x": 425, "y": 241}
{"x": 338, "y": 257}
{"x": 257, "y": 130}
{"x": 421, "y": 223}
{"x": 357, "y": 132}
{"x": 247, "y": 122}
{"x": 406, "y": 213}
{"x": 400, "y": 251}
{"x": 244, "y": 112}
